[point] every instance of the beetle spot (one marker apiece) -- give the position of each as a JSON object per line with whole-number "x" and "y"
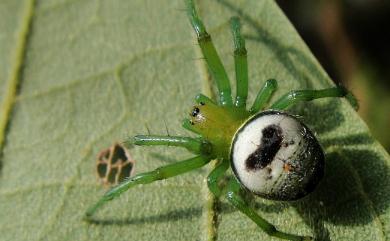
{"x": 270, "y": 144}
{"x": 202, "y": 103}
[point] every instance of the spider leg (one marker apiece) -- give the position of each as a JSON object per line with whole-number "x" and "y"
{"x": 264, "y": 95}
{"x": 295, "y": 96}
{"x": 215, "y": 175}
{"x": 195, "y": 145}
{"x": 211, "y": 56}
{"x": 189, "y": 125}
{"x": 202, "y": 99}
{"x": 232, "y": 193}
{"x": 149, "y": 177}
{"x": 240, "y": 62}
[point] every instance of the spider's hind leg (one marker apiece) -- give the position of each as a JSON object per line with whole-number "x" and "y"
{"x": 233, "y": 190}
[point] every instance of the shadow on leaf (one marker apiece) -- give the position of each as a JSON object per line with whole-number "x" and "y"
{"x": 167, "y": 217}
{"x": 349, "y": 194}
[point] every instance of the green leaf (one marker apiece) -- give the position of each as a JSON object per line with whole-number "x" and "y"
{"x": 92, "y": 72}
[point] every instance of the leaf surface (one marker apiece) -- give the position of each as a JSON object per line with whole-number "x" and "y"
{"x": 93, "y": 72}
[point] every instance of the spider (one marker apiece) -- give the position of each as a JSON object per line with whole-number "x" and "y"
{"x": 272, "y": 153}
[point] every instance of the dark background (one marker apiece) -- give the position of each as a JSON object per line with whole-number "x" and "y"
{"x": 351, "y": 40}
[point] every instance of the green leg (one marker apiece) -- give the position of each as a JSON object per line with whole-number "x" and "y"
{"x": 264, "y": 96}
{"x": 215, "y": 175}
{"x": 211, "y": 56}
{"x": 189, "y": 125}
{"x": 203, "y": 100}
{"x": 149, "y": 177}
{"x": 295, "y": 96}
{"x": 195, "y": 145}
{"x": 232, "y": 194}
{"x": 240, "y": 62}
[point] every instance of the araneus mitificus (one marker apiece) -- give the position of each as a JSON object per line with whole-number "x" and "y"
{"x": 272, "y": 153}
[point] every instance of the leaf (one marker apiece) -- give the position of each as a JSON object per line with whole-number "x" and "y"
{"x": 93, "y": 72}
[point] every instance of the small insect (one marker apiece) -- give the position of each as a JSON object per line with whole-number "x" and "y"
{"x": 272, "y": 153}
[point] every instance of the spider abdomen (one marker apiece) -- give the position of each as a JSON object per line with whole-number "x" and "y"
{"x": 276, "y": 156}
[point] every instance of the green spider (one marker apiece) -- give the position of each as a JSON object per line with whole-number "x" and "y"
{"x": 272, "y": 153}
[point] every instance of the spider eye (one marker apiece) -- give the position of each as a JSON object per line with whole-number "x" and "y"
{"x": 195, "y": 111}
{"x": 276, "y": 156}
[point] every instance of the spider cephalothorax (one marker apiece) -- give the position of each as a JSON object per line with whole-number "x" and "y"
{"x": 272, "y": 153}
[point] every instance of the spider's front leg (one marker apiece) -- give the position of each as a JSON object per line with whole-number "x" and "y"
{"x": 211, "y": 56}
{"x": 264, "y": 96}
{"x": 233, "y": 190}
{"x": 240, "y": 63}
{"x": 195, "y": 145}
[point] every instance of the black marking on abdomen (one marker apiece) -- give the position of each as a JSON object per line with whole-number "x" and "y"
{"x": 270, "y": 144}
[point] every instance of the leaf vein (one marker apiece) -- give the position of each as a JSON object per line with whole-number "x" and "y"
{"x": 16, "y": 69}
